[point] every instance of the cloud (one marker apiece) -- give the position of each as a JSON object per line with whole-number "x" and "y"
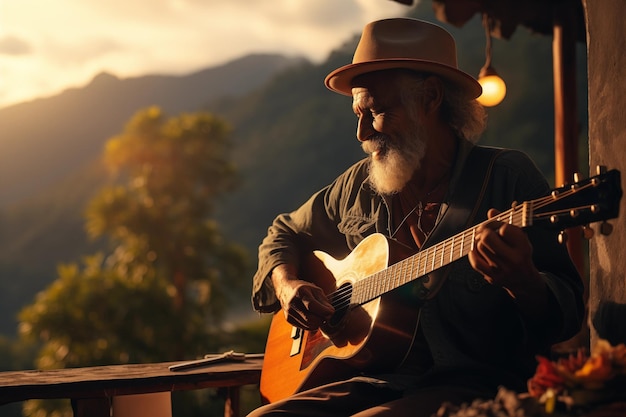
{"x": 67, "y": 42}
{"x": 79, "y": 51}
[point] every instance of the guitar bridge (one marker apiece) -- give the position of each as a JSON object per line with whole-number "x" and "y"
{"x": 296, "y": 340}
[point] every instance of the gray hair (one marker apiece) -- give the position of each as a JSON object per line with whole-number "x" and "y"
{"x": 466, "y": 117}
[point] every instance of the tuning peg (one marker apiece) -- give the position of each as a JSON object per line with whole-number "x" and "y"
{"x": 606, "y": 228}
{"x": 562, "y": 238}
{"x": 588, "y": 232}
{"x": 576, "y": 176}
{"x": 600, "y": 169}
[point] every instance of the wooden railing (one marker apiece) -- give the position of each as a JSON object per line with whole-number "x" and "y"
{"x": 92, "y": 390}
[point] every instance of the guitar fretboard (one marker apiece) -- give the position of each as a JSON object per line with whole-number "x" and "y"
{"x": 432, "y": 258}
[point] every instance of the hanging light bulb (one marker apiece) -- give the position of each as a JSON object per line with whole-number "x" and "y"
{"x": 494, "y": 88}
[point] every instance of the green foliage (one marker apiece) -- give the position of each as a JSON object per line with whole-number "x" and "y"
{"x": 160, "y": 217}
{"x": 159, "y": 295}
{"x": 96, "y": 316}
{"x": 184, "y": 156}
{"x": 15, "y": 354}
{"x": 47, "y": 408}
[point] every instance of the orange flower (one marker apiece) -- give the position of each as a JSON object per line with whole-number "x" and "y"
{"x": 567, "y": 367}
{"x": 545, "y": 377}
{"x": 595, "y": 372}
{"x": 579, "y": 378}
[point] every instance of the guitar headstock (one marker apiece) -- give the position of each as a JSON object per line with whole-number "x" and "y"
{"x": 581, "y": 203}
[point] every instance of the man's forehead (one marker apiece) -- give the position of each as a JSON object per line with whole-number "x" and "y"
{"x": 375, "y": 94}
{"x": 361, "y": 96}
{"x": 360, "y": 92}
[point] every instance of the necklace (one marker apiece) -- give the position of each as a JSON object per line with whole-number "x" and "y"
{"x": 420, "y": 207}
{"x": 420, "y": 210}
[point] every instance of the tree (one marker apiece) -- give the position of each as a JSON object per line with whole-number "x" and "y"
{"x": 160, "y": 293}
{"x": 94, "y": 316}
{"x": 160, "y": 217}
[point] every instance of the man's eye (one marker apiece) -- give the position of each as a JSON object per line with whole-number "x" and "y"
{"x": 376, "y": 115}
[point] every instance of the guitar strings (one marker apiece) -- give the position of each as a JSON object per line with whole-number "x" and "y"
{"x": 341, "y": 298}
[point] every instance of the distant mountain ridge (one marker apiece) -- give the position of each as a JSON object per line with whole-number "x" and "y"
{"x": 46, "y": 139}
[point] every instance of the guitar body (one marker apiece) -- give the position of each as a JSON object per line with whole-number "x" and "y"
{"x": 374, "y": 336}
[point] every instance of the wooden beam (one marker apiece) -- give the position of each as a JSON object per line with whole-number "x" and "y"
{"x": 565, "y": 114}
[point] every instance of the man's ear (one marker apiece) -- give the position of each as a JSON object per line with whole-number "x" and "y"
{"x": 433, "y": 94}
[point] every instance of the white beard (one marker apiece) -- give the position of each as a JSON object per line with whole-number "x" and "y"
{"x": 393, "y": 163}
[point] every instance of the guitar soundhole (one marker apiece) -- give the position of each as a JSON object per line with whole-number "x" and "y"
{"x": 340, "y": 299}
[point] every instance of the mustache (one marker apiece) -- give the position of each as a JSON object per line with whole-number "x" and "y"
{"x": 377, "y": 142}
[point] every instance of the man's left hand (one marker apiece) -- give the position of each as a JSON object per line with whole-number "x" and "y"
{"x": 503, "y": 255}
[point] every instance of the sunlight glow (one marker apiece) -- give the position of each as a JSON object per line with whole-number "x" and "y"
{"x": 67, "y": 42}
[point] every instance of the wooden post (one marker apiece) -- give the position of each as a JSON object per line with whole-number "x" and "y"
{"x": 566, "y": 129}
{"x": 565, "y": 109}
{"x": 232, "y": 397}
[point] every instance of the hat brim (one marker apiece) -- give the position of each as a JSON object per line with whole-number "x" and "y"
{"x": 340, "y": 80}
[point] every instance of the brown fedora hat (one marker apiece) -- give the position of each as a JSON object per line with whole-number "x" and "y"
{"x": 404, "y": 43}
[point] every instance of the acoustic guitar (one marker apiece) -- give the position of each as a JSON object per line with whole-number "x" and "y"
{"x": 375, "y": 316}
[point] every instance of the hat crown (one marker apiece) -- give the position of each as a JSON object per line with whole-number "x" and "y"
{"x": 404, "y": 43}
{"x": 406, "y": 39}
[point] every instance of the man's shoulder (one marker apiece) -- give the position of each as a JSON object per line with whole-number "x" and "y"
{"x": 499, "y": 151}
{"x": 507, "y": 157}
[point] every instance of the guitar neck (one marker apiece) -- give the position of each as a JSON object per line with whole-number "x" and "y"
{"x": 597, "y": 198}
{"x": 432, "y": 258}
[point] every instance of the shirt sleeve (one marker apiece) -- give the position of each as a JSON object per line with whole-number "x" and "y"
{"x": 314, "y": 225}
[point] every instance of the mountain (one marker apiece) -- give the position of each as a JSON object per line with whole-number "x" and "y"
{"x": 291, "y": 136}
{"x": 45, "y": 139}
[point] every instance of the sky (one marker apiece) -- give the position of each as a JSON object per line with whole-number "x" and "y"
{"x": 47, "y": 46}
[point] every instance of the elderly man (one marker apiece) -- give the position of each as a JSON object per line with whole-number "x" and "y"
{"x": 471, "y": 326}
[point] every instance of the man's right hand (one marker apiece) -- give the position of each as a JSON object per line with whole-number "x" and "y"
{"x": 304, "y": 304}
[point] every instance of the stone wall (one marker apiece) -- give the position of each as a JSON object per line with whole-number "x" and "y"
{"x": 606, "y": 57}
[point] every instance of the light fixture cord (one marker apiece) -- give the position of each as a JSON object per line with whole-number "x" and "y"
{"x": 487, "y": 26}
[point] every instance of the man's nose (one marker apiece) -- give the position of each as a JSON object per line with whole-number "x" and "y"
{"x": 364, "y": 128}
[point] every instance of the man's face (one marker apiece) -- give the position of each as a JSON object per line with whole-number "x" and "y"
{"x": 389, "y": 133}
